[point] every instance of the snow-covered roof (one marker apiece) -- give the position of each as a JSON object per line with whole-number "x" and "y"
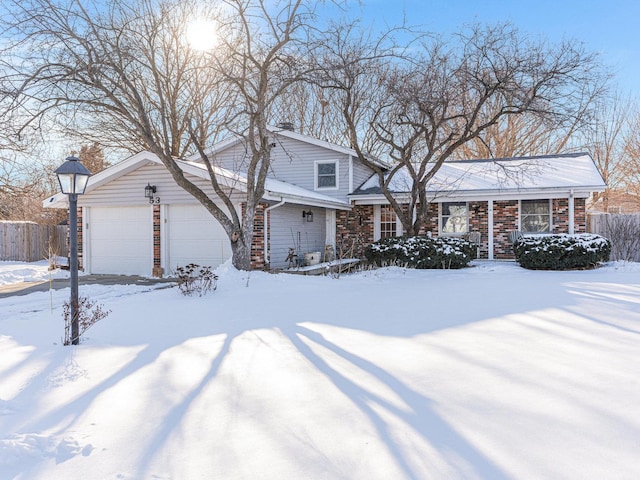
{"x": 276, "y": 190}
{"x": 500, "y": 177}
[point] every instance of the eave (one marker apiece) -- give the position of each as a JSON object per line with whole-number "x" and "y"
{"x": 583, "y": 191}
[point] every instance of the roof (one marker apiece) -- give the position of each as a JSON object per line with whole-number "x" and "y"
{"x": 229, "y": 142}
{"x": 275, "y": 190}
{"x": 500, "y": 177}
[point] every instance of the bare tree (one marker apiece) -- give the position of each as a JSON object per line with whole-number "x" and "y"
{"x": 604, "y": 138}
{"x": 14, "y": 184}
{"x": 629, "y": 165}
{"x": 520, "y": 136}
{"x": 123, "y": 70}
{"x": 92, "y": 157}
{"x": 26, "y": 175}
{"x": 25, "y": 179}
{"x": 444, "y": 93}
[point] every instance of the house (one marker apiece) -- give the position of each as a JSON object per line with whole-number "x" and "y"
{"x": 615, "y": 201}
{"x": 318, "y": 194}
{"x": 494, "y": 198}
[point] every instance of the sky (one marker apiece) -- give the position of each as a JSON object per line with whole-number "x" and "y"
{"x": 609, "y": 28}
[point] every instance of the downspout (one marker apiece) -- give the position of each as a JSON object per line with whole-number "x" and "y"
{"x": 267, "y": 254}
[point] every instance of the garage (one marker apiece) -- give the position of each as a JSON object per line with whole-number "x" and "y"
{"x": 194, "y": 236}
{"x": 119, "y": 240}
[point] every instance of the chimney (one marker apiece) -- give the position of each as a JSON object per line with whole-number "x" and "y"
{"x": 286, "y": 126}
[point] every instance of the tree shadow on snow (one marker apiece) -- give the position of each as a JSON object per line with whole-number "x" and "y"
{"x": 421, "y": 418}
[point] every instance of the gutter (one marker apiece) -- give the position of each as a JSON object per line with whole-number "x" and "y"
{"x": 309, "y": 201}
{"x": 551, "y": 192}
{"x": 266, "y": 253}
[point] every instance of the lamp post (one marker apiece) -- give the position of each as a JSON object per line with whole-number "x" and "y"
{"x": 73, "y": 177}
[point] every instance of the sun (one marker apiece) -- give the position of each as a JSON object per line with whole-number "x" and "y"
{"x": 201, "y": 34}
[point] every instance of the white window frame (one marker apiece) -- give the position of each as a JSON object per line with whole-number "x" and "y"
{"x": 377, "y": 222}
{"x": 441, "y": 216}
{"x": 520, "y": 215}
{"x": 315, "y": 174}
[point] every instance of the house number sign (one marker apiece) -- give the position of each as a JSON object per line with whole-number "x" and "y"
{"x": 154, "y": 199}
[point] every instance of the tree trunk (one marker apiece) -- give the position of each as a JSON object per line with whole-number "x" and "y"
{"x": 241, "y": 244}
{"x": 241, "y": 255}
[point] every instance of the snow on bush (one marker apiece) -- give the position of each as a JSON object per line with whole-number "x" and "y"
{"x": 561, "y": 251}
{"x": 421, "y": 252}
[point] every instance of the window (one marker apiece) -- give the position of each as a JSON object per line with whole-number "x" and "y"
{"x": 388, "y": 222}
{"x": 455, "y": 217}
{"x": 327, "y": 175}
{"x": 535, "y": 216}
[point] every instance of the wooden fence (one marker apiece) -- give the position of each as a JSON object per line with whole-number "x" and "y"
{"x": 30, "y": 242}
{"x": 622, "y": 229}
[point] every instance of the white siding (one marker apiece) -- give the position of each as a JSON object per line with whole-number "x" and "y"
{"x": 289, "y": 230}
{"x": 361, "y": 173}
{"x": 129, "y": 189}
{"x": 233, "y": 158}
{"x": 293, "y": 161}
{"x": 127, "y": 193}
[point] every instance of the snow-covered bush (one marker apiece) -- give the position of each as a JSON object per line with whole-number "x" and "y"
{"x": 421, "y": 252}
{"x": 562, "y": 251}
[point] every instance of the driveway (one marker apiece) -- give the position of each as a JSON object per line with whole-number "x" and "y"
{"x": 25, "y": 288}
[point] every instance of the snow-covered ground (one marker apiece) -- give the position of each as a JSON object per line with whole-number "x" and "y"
{"x": 15, "y": 272}
{"x": 490, "y": 372}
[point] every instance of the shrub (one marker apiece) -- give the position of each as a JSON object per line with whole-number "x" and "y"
{"x": 624, "y": 233}
{"x": 195, "y": 279}
{"x": 561, "y": 252}
{"x": 89, "y": 313}
{"x": 421, "y": 252}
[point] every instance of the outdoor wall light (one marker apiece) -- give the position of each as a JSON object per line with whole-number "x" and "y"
{"x": 308, "y": 215}
{"x": 149, "y": 190}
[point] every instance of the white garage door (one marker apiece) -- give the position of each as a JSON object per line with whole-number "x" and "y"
{"x": 121, "y": 240}
{"x": 194, "y": 236}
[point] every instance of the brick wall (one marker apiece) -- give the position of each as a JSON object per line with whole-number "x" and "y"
{"x": 580, "y": 215}
{"x": 431, "y": 223}
{"x": 505, "y": 220}
{"x": 357, "y": 225}
{"x": 479, "y": 222}
{"x": 257, "y": 242}
{"x": 80, "y": 240}
{"x": 354, "y": 230}
{"x": 560, "y": 215}
{"x": 157, "y": 269}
